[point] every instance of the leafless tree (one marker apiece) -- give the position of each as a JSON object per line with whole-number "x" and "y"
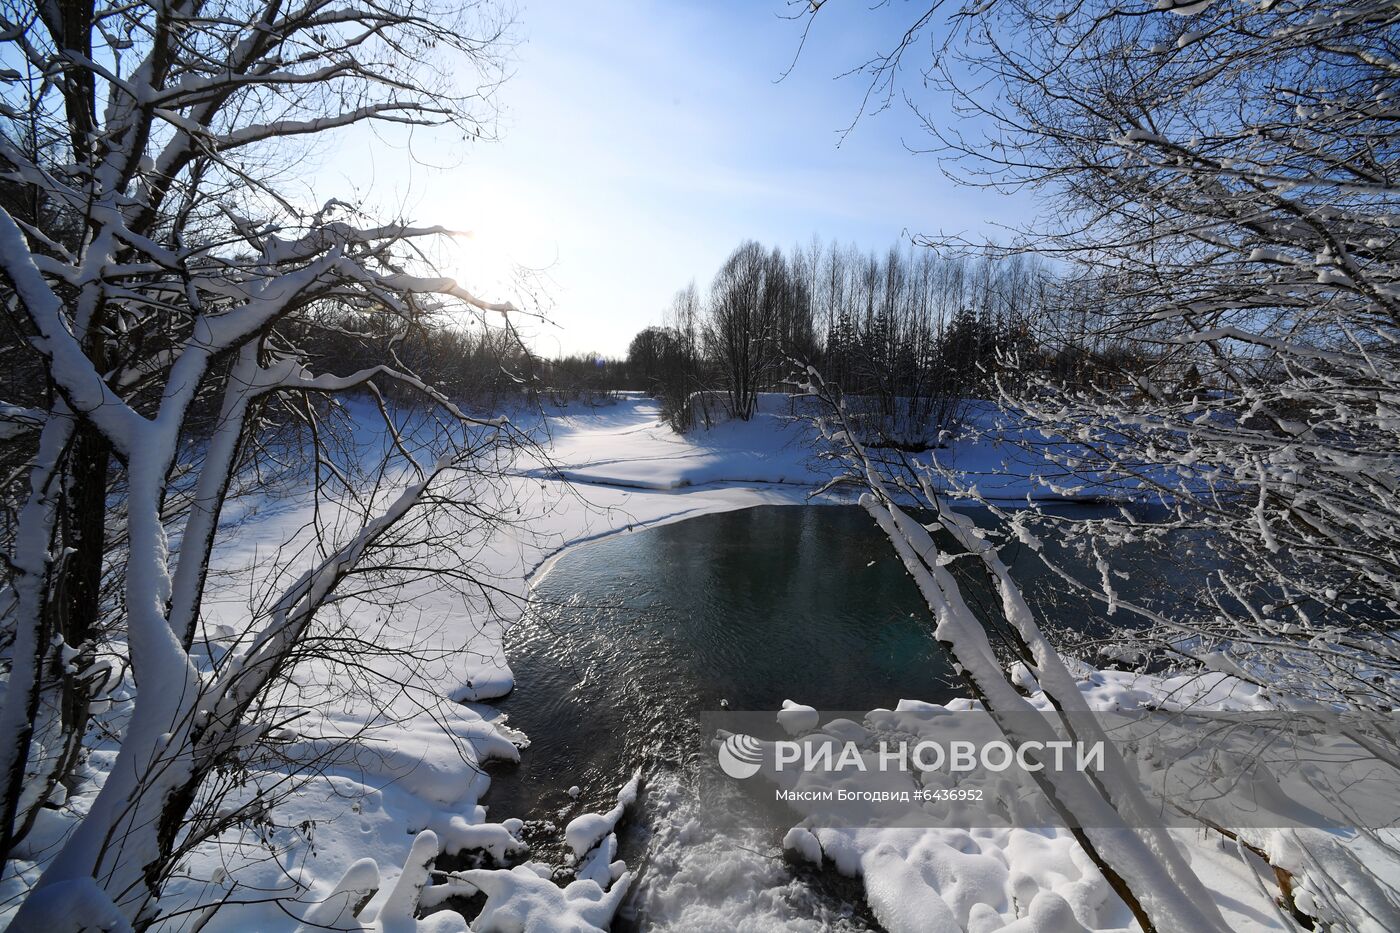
{"x": 1108, "y": 814}
{"x": 908, "y": 337}
{"x": 1227, "y": 174}
{"x": 1220, "y": 181}
{"x": 161, "y": 280}
{"x": 739, "y": 330}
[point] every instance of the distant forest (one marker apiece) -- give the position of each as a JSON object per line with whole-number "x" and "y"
{"x": 906, "y": 336}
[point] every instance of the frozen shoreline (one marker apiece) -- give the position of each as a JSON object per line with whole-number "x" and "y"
{"x": 429, "y": 779}
{"x": 619, "y": 470}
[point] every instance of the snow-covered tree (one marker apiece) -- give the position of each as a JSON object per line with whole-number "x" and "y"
{"x": 1221, "y": 183}
{"x": 161, "y": 280}
{"x": 1227, "y": 177}
{"x": 1107, "y": 813}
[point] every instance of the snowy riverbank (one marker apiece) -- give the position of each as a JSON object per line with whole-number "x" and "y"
{"x": 611, "y": 470}
{"x": 398, "y": 778}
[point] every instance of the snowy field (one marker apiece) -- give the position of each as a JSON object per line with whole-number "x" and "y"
{"x": 386, "y": 800}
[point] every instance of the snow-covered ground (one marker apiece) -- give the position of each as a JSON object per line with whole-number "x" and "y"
{"x": 401, "y": 793}
{"x": 610, "y": 470}
{"x": 982, "y": 878}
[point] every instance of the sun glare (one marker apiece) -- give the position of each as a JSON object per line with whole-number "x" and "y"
{"x": 498, "y": 248}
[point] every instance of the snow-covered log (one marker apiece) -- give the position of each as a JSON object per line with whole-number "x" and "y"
{"x": 1222, "y": 184}
{"x": 1112, "y": 823}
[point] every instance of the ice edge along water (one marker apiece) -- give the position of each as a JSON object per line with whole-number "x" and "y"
{"x": 614, "y": 470}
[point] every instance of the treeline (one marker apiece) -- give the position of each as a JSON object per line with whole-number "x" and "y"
{"x": 485, "y": 366}
{"x": 907, "y": 335}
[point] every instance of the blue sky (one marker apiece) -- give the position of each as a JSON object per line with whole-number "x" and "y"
{"x": 641, "y": 140}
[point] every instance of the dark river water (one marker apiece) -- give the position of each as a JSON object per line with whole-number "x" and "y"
{"x": 630, "y": 637}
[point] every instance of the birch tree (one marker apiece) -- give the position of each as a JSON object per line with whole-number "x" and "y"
{"x": 156, "y": 259}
